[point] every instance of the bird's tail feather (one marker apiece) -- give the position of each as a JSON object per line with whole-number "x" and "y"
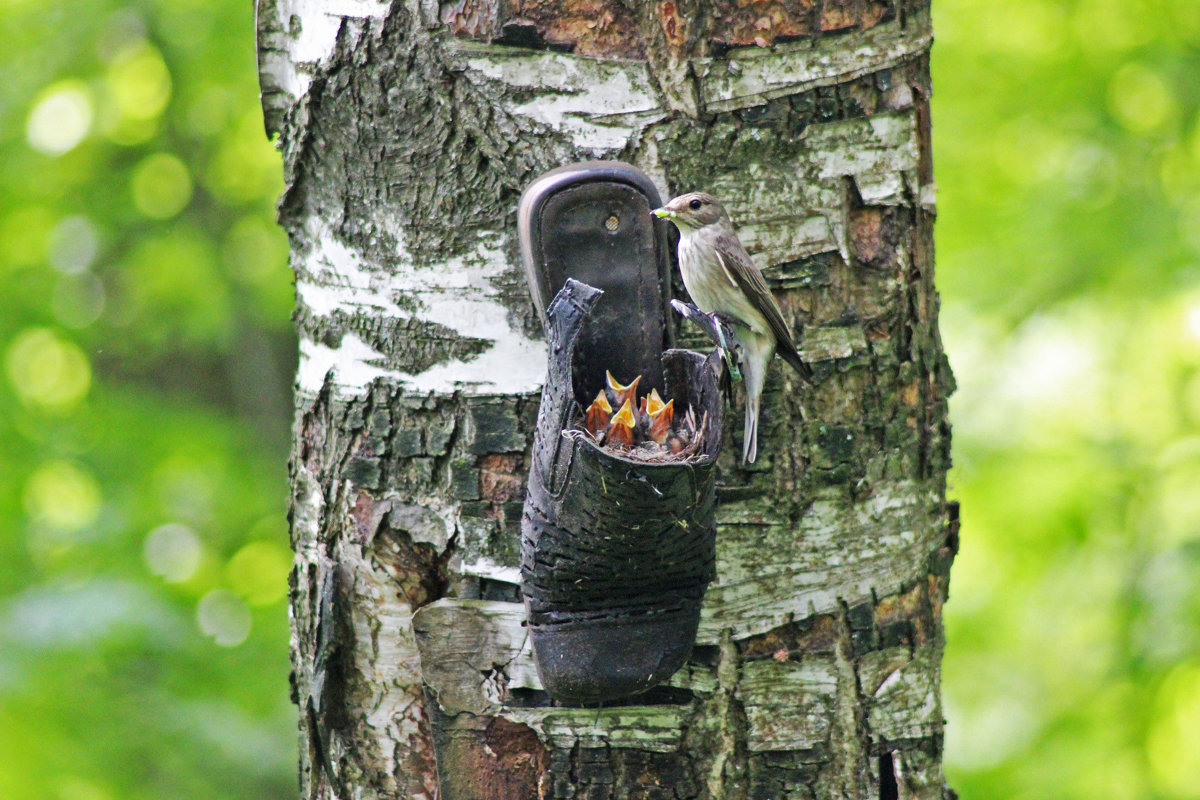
{"x": 757, "y": 351}
{"x": 792, "y": 356}
{"x": 750, "y": 440}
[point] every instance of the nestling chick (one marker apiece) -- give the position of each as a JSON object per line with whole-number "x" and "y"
{"x": 597, "y": 417}
{"x": 621, "y": 393}
{"x": 620, "y": 430}
{"x": 720, "y": 277}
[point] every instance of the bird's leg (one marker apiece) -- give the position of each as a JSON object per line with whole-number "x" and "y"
{"x": 723, "y": 326}
{"x": 719, "y": 327}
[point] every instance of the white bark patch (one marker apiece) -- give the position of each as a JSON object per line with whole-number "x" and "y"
{"x": 907, "y": 702}
{"x": 751, "y": 76}
{"x": 307, "y": 505}
{"x": 484, "y": 567}
{"x": 829, "y": 344}
{"x": 385, "y": 656}
{"x": 886, "y": 148}
{"x": 655, "y": 728}
{"x": 776, "y": 241}
{"x": 787, "y": 705}
{"x": 462, "y": 640}
{"x": 769, "y": 573}
{"x": 459, "y": 293}
{"x": 305, "y": 35}
{"x": 763, "y": 198}
{"x": 600, "y": 104}
{"x": 351, "y": 367}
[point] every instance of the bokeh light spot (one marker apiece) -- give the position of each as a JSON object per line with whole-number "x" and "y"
{"x": 1191, "y": 322}
{"x": 173, "y": 551}
{"x": 74, "y": 244}
{"x": 139, "y": 81}
{"x": 1140, "y": 98}
{"x": 46, "y": 371}
{"x": 224, "y": 616}
{"x": 258, "y": 572}
{"x": 139, "y": 88}
{"x": 184, "y": 486}
{"x": 60, "y": 119}
{"x": 1054, "y": 360}
{"x": 63, "y": 496}
{"x": 78, "y": 300}
{"x": 162, "y": 186}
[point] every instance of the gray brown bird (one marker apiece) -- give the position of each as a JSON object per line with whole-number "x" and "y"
{"x": 721, "y": 278}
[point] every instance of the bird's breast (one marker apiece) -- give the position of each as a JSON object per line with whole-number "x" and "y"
{"x": 709, "y": 283}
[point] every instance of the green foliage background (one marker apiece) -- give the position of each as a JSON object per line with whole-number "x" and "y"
{"x": 146, "y": 359}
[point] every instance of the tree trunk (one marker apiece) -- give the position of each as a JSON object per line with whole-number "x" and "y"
{"x": 408, "y": 131}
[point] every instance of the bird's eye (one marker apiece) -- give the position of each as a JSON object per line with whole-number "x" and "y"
{"x": 695, "y": 205}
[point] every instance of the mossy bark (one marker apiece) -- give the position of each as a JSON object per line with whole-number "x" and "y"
{"x": 408, "y": 131}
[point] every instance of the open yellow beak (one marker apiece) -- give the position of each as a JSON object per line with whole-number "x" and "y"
{"x": 663, "y": 213}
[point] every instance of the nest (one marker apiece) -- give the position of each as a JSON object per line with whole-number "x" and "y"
{"x": 645, "y": 431}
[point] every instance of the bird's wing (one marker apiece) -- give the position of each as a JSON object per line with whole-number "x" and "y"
{"x": 741, "y": 268}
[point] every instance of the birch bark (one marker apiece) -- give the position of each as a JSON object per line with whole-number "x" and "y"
{"x": 408, "y": 131}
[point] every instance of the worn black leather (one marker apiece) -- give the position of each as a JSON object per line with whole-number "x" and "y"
{"x": 615, "y": 553}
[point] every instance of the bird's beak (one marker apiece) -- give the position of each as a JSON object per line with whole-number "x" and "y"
{"x": 620, "y": 432}
{"x": 663, "y": 213}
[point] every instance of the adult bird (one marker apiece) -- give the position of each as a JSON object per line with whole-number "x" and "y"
{"x": 721, "y": 279}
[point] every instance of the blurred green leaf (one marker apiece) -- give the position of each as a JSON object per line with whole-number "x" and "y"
{"x": 145, "y": 406}
{"x": 1069, "y": 264}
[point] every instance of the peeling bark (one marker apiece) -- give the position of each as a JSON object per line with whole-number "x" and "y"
{"x": 408, "y": 131}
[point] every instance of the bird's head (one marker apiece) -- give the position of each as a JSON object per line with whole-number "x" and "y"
{"x": 692, "y": 211}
